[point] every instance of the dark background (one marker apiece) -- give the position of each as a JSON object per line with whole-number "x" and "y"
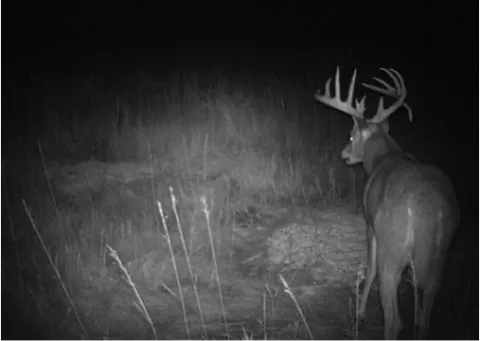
{"x": 433, "y": 43}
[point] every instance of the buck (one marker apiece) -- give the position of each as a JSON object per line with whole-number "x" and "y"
{"x": 410, "y": 209}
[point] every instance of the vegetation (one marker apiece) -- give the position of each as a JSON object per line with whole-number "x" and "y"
{"x": 142, "y": 206}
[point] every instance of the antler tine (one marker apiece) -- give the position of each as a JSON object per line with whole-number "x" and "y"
{"x": 336, "y": 101}
{"x": 399, "y": 92}
{"x": 388, "y": 88}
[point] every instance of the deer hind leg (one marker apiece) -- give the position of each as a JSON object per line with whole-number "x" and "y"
{"x": 429, "y": 290}
{"x": 371, "y": 271}
{"x": 427, "y": 272}
{"x": 389, "y": 280}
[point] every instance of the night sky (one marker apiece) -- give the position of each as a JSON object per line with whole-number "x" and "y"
{"x": 421, "y": 33}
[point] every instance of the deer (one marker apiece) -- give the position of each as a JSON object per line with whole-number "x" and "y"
{"x": 410, "y": 208}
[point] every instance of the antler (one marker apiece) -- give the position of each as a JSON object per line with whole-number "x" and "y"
{"x": 337, "y": 103}
{"x": 399, "y": 93}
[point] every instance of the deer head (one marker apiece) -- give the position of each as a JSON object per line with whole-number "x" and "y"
{"x": 373, "y": 132}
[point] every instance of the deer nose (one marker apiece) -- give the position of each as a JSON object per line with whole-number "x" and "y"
{"x": 346, "y": 152}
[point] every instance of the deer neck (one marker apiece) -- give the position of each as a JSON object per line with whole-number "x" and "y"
{"x": 376, "y": 148}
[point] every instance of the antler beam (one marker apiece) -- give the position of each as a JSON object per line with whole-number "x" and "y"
{"x": 399, "y": 92}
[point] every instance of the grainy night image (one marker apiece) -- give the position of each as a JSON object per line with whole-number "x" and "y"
{"x": 214, "y": 170}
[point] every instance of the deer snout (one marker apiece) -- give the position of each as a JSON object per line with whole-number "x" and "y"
{"x": 349, "y": 157}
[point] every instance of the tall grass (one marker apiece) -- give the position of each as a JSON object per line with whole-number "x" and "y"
{"x": 232, "y": 141}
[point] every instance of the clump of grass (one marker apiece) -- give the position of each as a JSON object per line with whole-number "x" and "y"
{"x": 57, "y": 272}
{"x": 113, "y": 253}
{"x": 187, "y": 257}
{"x": 292, "y": 296}
{"x": 174, "y": 263}
{"x": 212, "y": 248}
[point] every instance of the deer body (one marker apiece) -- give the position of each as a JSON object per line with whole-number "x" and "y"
{"x": 410, "y": 209}
{"x": 411, "y": 216}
